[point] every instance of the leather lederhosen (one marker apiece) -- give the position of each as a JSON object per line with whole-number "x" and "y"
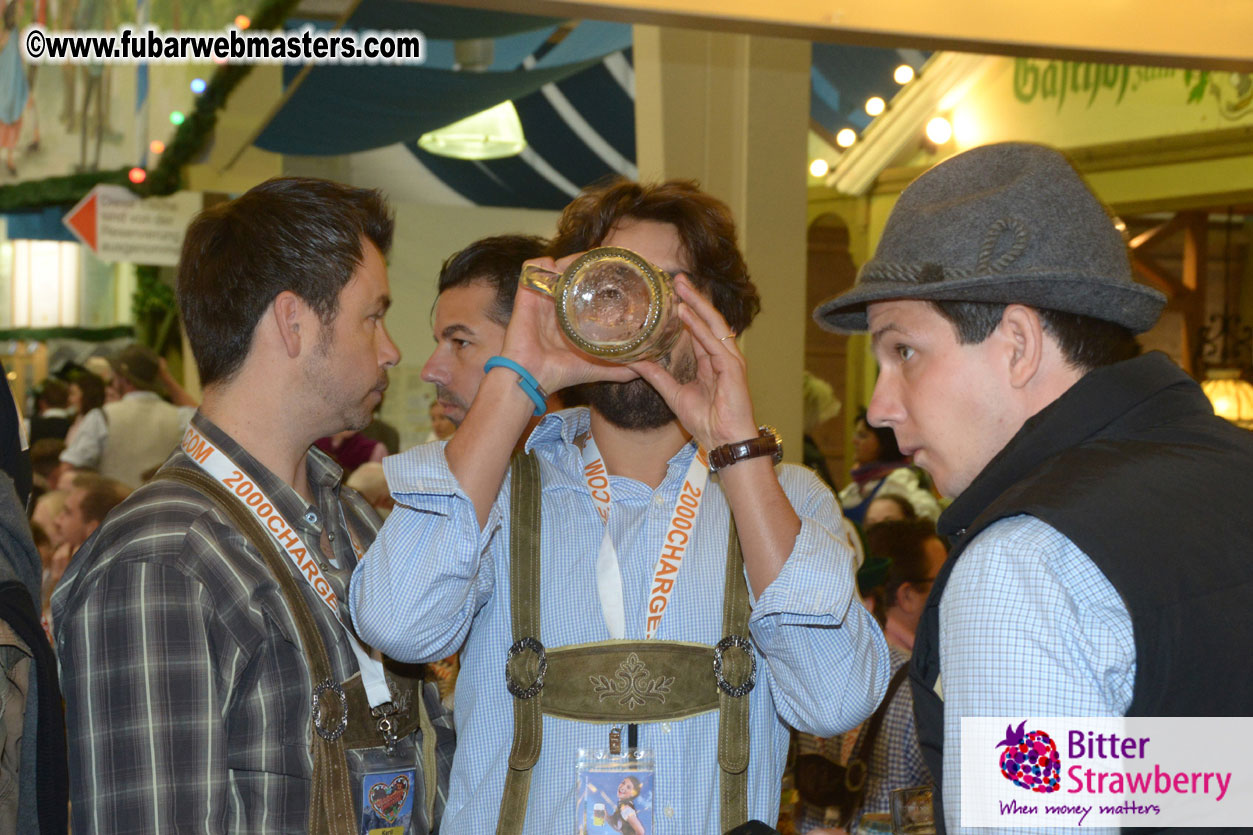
{"x": 572, "y": 682}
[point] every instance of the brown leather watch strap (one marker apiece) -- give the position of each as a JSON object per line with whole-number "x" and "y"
{"x": 766, "y": 443}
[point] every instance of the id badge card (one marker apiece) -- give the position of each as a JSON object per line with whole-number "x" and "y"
{"x": 386, "y": 793}
{"x": 615, "y": 792}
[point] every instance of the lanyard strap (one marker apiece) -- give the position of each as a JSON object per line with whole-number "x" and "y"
{"x": 673, "y": 545}
{"x": 218, "y": 465}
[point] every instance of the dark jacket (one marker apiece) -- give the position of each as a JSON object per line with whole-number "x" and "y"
{"x": 43, "y": 776}
{"x": 1133, "y": 467}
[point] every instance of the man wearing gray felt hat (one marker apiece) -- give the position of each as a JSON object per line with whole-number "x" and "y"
{"x": 1093, "y": 487}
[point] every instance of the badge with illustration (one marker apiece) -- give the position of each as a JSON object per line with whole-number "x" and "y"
{"x": 615, "y": 793}
{"x": 387, "y": 802}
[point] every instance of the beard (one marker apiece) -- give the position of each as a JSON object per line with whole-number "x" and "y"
{"x": 636, "y": 404}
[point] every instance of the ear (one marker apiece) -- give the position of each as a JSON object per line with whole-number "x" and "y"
{"x": 907, "y": 597}
{"x": 1021, "y": 327}
{"x": 290, "y": 313}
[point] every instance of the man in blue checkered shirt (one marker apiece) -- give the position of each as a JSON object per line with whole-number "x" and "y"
{"x": 1096, "y": 569}
{"x": 439, "y": 575}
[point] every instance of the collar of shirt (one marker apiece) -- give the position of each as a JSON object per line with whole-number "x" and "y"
{"x": 323, "y": 473}
{"x": 559, "y": 438}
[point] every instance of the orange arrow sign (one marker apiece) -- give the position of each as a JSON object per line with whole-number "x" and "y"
{"x": 81, "y": 220}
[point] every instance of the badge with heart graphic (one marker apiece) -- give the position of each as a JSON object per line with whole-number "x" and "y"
{"x": 387, "y": 799}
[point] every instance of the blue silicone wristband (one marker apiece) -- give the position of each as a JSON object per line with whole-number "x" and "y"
{"x": 526, "y": 381}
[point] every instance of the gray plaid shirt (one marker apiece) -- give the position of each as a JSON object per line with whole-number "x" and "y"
{"x": 187, "y": 693}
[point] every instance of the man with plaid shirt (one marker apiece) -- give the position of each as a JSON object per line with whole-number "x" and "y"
{"x": 208, "y": 676}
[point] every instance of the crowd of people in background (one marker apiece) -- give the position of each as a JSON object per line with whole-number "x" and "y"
{"x": 167, "y": 524}
{"x": 97, "y": 430}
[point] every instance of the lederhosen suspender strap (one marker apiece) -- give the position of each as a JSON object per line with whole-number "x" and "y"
{"x": 331, "y": 809}
{"x": 524, "y": 567}
{"x": 330, "y": 795}
{"x": 581, "y": 675}
{"x": 859, "y": 762}
{"x": 733, "y": 700}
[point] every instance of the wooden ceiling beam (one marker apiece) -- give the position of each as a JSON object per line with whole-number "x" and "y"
{"x": 1156, "y": 234}
{"x": 1213, "y": 35}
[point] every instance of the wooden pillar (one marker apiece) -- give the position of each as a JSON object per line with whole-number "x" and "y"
{"x": 1195, "y": 264}
{"x": 732, "y": 111}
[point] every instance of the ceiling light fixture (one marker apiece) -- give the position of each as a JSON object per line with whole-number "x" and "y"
{"x": 875, "y": 105}
{"x": 495, "y": 133}
{"x": 903, "y": 74}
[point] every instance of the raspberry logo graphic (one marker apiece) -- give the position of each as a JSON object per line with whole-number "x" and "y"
{"x": 1030, "y": 760}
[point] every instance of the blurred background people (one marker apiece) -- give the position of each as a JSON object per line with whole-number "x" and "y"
{"x": 52, "y": 416}
{"x": 33, "y": 774}
{"x": 86, "y": 395}
{"x": 904, "y": 557}
{"x": 881, "y": 469}
{"x": 369, "y": 481}
{"x": 129, "y": 437}
{"x": 86, "y": 504}
{"x": 820, "y": 405}
{"x": 888, "y": 508}
{"x": 916, "y": 553}
{"x": 45, "y": 461}
{"x": 382, "y": 431}
{"x": 351, "y": 449}
{"x": 441, "y": 427}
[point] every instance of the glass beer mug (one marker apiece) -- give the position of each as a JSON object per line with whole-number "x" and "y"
{"x": 612, "y": 304}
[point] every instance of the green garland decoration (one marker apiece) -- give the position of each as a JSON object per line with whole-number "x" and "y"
{"x": 84, "y": 334}
{"x": 189, "y": 139}
{"x": 62, "y": 191}
{"x": 192, "y": 135}
{"x": 156, "y": 314}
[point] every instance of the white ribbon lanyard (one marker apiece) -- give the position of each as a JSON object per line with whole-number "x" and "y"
{"x": 673, "y": 545}
{"x": 219, "y": 465}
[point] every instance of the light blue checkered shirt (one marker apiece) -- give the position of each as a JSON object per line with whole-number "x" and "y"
{"x": 433, "y": 582}
{"x": 1029, "y": 626}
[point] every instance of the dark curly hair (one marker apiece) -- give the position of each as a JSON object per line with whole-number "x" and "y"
{"x": 704, "y": 224}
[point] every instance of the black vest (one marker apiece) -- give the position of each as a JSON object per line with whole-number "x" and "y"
{"x": 1133, "y": 467}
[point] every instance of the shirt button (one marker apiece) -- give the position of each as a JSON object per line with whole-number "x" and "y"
{"x": 330, "y": 535}
{"x": 311, "y": 518}
{"x": 658, "y": 500}
{"x": 669, "y": 812}
{"x": 665, "y": 727}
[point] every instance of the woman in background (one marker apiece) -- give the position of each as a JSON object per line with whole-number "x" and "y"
{"x": 881, "y": 469}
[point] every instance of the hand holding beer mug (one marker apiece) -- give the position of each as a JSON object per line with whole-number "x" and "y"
{"x": 612, "y": 304}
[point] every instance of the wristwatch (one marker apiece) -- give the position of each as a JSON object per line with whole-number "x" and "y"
{"x": 767, "y": 442}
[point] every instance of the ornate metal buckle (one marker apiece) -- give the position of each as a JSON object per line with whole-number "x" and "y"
{"x": 386, "y": 725}
{"x": 855, "y": 775}
{"x": 514, "y": 651}
{"x": 747, "y": 685}
{"x": 337, "y": 731}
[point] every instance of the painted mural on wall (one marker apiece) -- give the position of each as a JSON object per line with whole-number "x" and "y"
{"x": 58, "y": 119}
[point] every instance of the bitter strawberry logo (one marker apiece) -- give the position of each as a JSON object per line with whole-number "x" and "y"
{"x": 1030, "y": 760}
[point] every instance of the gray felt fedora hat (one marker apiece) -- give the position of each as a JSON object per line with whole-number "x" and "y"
{"x": 1007, "y": 223}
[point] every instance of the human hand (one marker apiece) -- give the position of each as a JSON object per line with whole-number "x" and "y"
{"x": 715, "y": 406}
{"x": 536, "y": 342}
